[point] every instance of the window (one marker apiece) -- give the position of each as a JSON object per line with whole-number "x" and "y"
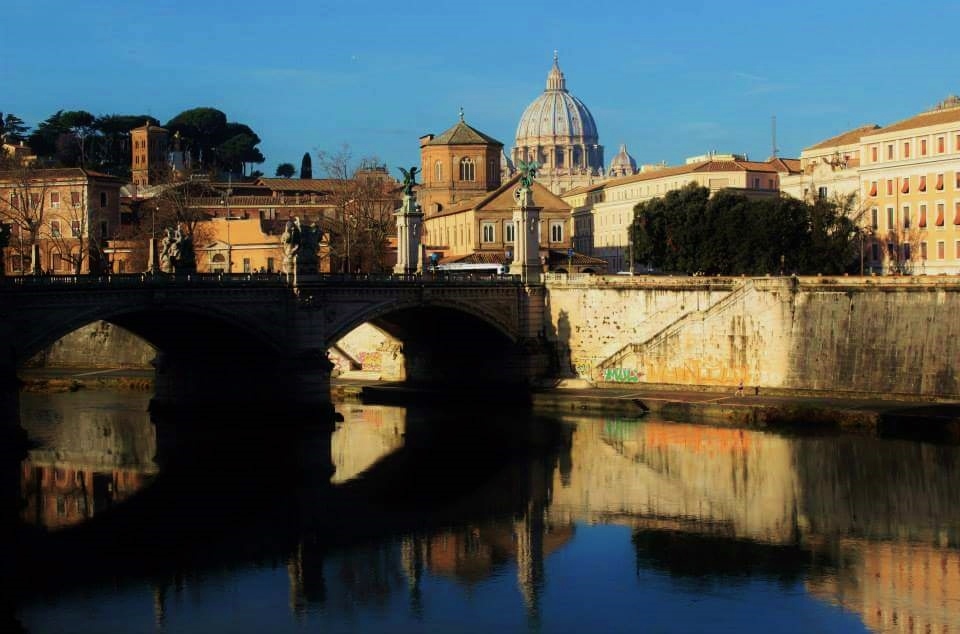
{"x": 103, "y": 199}
{"x": 54, "y": 199}
{"x": 956, "y": 180}
{"x": 467, "y": 169}
{"x": 890, "y": 226}
{"x": 104, "y": 227}
{"x": 438, "y": 171}
{"x": 75, "y": 199}
{"x": 875, "y": 252}
{"x": 55, "y": 228}
{"x": 874, "y": 218}
{"x": 956, "y": 249}
{"x": 890, "y": 151}
{"x": 270, "y": 265}
{"x": 939, "y": 181}
{"x": 906, "y": 149}
{"x": 956, "y": 212}
{"x": 923, "y": 250}
{"x": 508, "y": 231}
{"x": 756, "y": 182}
{"x": 905, "y": 188}
{"x": 906, "y": 216}
{"x": 873, "y": 188}
{"x": 822, "y": 193}
{"x": 940, "y": 212}
{"x": 940, "y": 145}
{"x": 75, "y": 228}
{"x": 889, "y": 187}
{"x": 873, "y": 154}
{"x": 923, "y": 184}
{"x": 923, "y": 215}
{"x": 488, "y": 232}
{"x": 906, "y": 252}
{"x": 940, "y": 249}
{"x": 923, "y": 147}
{"x": 34, "y": 200}
{"x": 556, "y": 232}
{"x": 246, "y": 265}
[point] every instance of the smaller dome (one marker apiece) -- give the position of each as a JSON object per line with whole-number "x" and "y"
{"x": 622, "y": 164}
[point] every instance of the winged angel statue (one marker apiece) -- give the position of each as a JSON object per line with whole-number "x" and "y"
{"x": 409, "y": 179}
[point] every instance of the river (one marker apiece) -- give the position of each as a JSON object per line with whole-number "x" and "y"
{"x": 470, "y": 518}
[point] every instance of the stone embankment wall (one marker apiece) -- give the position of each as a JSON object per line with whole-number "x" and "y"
{"x": 97, "y": 345}
{"x": 839, "y": 334}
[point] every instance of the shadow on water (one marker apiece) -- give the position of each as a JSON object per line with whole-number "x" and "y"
{"x": 232, "y": 492}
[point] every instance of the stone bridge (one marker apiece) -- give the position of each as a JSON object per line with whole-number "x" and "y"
{"x": 224, "y": 338}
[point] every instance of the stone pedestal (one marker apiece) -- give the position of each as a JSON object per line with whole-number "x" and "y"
{"x": 409, "y": 224}
{"x": 526, "y": 222}
{"x": 152, "y": 256}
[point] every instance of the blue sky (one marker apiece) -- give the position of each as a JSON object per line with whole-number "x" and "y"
{"x": 670, "y": 80}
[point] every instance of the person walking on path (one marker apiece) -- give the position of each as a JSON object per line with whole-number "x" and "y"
{"x": 740, "y": 388}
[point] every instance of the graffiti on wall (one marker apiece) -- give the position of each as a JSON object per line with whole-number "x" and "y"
{"x": 621, "y": 375}
{"x": 371, "y": 361}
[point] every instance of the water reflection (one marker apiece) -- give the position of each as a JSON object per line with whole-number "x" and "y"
{"x": 440, "y": 519}
{"x": 89, "y": 456}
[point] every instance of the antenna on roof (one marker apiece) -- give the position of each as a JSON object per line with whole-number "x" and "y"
{"x": 773, "y": 137}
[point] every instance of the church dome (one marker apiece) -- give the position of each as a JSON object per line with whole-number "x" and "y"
{"x": 556, "y": 114}
{"x": 622, "y": 164}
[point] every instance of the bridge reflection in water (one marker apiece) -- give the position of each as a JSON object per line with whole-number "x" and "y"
{"x": 421, "y": 496}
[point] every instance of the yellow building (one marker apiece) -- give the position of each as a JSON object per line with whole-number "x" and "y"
{"x": 602, "y": 213}
{"x": 910, "y": 185}
{"x": 242, "y": 241}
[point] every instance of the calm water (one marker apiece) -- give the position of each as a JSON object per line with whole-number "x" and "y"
{"x": 441, "y": 520}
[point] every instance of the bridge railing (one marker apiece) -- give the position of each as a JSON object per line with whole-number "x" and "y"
{"x": 139, "y": 280}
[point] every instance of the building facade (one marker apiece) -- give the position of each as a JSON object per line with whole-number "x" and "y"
{"x": 910, "y": 187}
{"x": 60, "y": 219}
{"x": 557, "y": 131}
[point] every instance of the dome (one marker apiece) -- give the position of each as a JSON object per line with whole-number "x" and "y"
{"x": 622, "y": 164}
{"x": 556, "y": 113}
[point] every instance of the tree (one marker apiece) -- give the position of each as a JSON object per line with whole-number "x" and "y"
{"x": 689, "y": 231}
{"x": 306, "y": 166}
{"x": 23, "y": 207}
{"x": 12, "y": 128}
{"x": 286, "y": 170}
{"x": 363, "y": 202}
{"x": 202, "y": 130}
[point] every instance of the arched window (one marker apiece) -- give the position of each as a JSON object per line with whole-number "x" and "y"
{"x": 556, "y": 232}
{"x": 468, "y": 171}
{"x": 438, "y": 171}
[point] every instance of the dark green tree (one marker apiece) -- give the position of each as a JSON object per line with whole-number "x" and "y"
{"x": 12, "y": 128}
{"x": 730, "y": 234}
{"x": 286, "y": 170}
{"x": 306, "y": 166}
{"x": 201, "y": 130}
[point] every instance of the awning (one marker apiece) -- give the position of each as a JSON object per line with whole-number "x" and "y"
{"x": 923, "y": 217}
{"x": 905, "y": 188}
{"x": 923, "y": 184}
{"x": 873, "y": 188}
{"x": 939, "y": 181}
{"x": 939, "y": 222}
{"x": 956, "y": 215}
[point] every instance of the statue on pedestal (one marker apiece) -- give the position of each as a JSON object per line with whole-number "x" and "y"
{"x": 299, "y": 244}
